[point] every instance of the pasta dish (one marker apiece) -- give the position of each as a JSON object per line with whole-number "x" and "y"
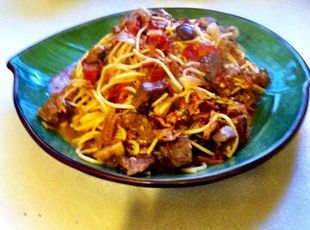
{"x": 159, "y": 94}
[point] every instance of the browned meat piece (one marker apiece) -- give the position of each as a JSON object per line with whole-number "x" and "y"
{"x": 138, "y": 128}
{"x": 141, "y": 100}
{"x": 205, "y": 21}
{"x": 54, "y": 110}
{"x": 236, "y": 109}
{"x": 242, "y": 125}
{"x": 147, "y": 93}
{"x": 223, "y": 134}
{"x": 192, "y": 107}
{"x": 217, "y": 159}
{"x": 207, "y": 106}
{"x": 175, "y": 154}
{"x": 211, "y": 65}
{"x": 177, "y": 118}
{"x": 207, "y": 133}
{"x": 166, "y": 134}
{"x": 142, "y": 16}
{"x": 262, "y": 78}
{"x": 133, "y": 22}
{"x": 96, "y": 54}
{"x": 136, "y": 164}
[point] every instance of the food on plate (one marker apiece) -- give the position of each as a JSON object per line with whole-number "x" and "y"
{"x": 159, "y": 94}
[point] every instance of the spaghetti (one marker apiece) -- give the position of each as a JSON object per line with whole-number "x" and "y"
{"x": 156, "y": 88}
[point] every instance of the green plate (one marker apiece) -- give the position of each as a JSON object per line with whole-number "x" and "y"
{"x": 278, "y": 116}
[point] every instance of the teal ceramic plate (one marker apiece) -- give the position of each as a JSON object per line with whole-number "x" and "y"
{"x": 278, "y": 117}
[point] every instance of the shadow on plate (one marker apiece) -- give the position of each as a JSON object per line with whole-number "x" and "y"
{"x": 242, "y": 202}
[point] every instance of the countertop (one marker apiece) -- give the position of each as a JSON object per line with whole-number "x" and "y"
{"x": 39, "y": 192}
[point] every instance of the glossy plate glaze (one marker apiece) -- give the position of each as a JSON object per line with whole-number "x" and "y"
{"x": 278, "y": 116}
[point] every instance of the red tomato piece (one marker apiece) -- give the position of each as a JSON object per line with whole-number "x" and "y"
{"x": 160, "y": 42}
{"x": 157, "y": 74}
{"x": 117, "y": 94}
{"x": 196, "y": 52}
{"x": 91, "y": 72}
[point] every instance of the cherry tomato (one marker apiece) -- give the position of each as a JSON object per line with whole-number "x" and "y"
{"x": 160, "y": 42}
{"x": 196, "y": 52}
{"x": 157, "y": 74}
{"x": 117, "y": 94}
{"x": 91, "y": 72}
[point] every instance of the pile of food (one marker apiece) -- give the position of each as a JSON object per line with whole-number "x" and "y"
{"x": 159, "y": 94}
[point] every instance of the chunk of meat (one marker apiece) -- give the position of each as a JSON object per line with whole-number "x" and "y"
{"x": 242, "y": 125}
{"x": 96, "y": 54}
{"x": 211, "y": 65}
{"x": 142, "y": 16}
{"x": 147, "y": 93}
{"x": 133, "y": 25}
{"x": 136, "y": 21}
{"x": 262, "y": 78}
{"x": 214, "y": 160}
{"x": 166, "y": 134}
{"x": 223, "y": 134}
{"x": 213, "y": 126}
{"x": 177, "y": 118}
{"x": 136, "y": 164}
{"x": 54, "y": 110}
{"x": 138, "y": 128}
{"x": 236, "y": 109}
{"x": 175, "y": 154}
{"x": 204, "y": 22}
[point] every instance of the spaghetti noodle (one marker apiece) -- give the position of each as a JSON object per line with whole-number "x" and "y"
{"x": 156, "y": 88}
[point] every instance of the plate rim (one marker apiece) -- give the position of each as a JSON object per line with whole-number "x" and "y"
{"x": 164, "y": 183}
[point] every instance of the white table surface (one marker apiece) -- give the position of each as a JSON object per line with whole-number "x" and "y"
{"x": 39, "y": 192}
